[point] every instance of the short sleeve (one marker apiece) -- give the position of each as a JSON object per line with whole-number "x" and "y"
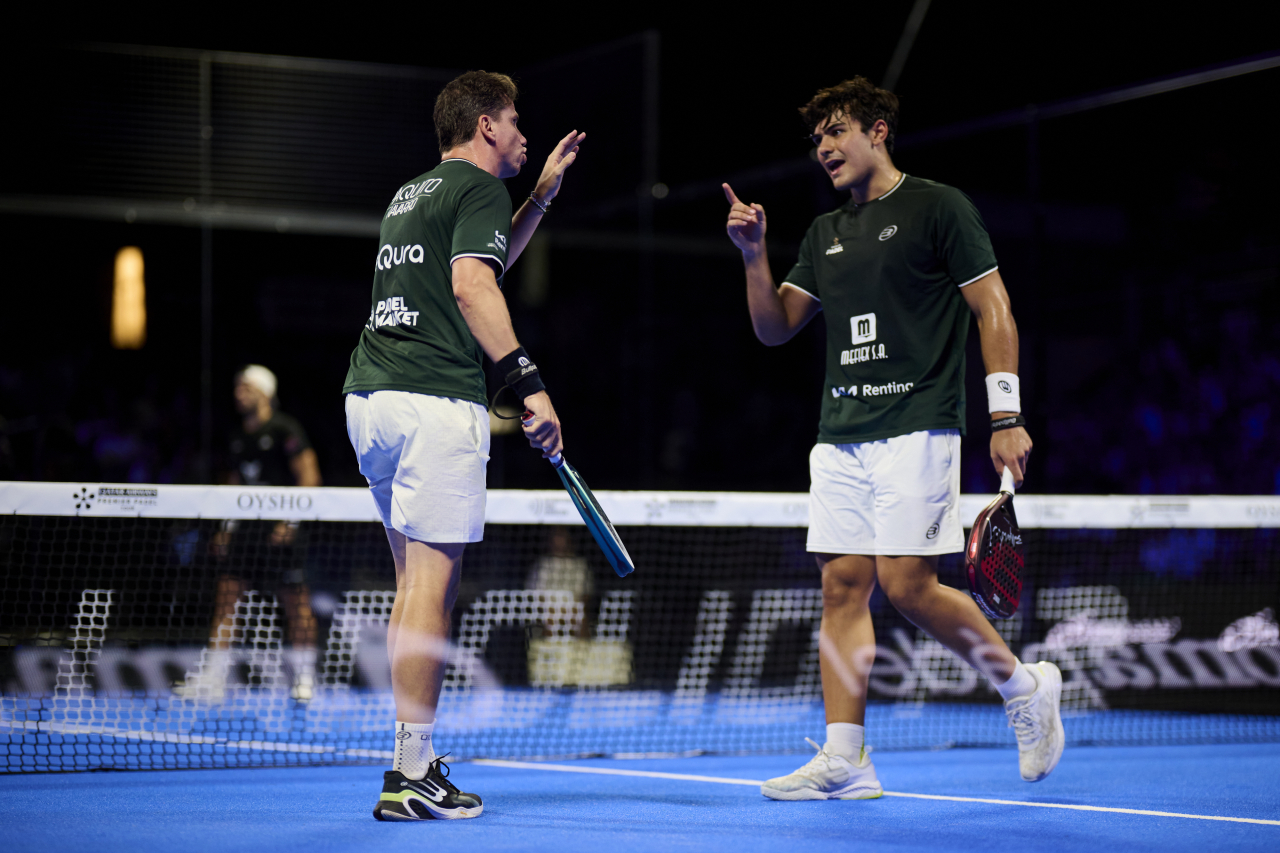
{"x": 294, "y": 437}
{"x": 802, "y": 276}
{"x": 962, "y": 241}
{"x": 483, "y": 224}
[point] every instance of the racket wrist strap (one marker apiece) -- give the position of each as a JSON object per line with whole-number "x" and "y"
{"x": 520, "y": 373}
{"x": 1008, "y": 423}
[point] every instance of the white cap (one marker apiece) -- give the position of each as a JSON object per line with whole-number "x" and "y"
{"x": 261, "y": 378}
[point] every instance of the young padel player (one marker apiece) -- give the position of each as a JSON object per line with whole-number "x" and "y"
{"x": 416, "y": 404}
{"x": 896, "y": 271}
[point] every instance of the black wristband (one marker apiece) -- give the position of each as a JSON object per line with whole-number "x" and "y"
{"x": 1008, "y": 423}
{"x": 520, "y": 373}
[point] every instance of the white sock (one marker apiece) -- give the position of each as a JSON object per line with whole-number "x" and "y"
{"x": 1021, "y": 683}
{"x": 302, "y": 660}
{"x": 846, "y": 740}
{"x": 413, "y": 749}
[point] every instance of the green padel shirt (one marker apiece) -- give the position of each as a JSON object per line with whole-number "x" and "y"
{"x": 416, "y": 339}
{"x": 888, "y": 273}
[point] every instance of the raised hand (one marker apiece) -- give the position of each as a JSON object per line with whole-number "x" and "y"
{"x": 746, "y": 224}
{"x": 560, "y": 159}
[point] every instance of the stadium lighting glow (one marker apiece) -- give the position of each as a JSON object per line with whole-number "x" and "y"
{"x": 129, "y": 301}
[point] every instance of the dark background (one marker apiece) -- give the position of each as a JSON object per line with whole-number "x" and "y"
{"x": 1139, "y": 241}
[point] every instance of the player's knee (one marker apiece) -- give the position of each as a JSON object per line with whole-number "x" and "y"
{"x": 840, "y": 591}
{"x": 907, "y": 595}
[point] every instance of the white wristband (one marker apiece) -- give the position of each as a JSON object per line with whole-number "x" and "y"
{"x": 1002, "y": 393}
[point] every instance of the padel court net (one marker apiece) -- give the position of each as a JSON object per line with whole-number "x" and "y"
{"x": 1160, "y": 612}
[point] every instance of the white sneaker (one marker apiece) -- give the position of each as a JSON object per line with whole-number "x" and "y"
{"x": 1037, "y": 722}
{"x": 208, "y": 681}
{"x": 827, "y": 776}
{"x": 303, "y": 687}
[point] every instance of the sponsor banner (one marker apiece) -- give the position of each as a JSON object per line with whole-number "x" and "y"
{"x": 677, "y": 509}
{"x": 168, "y": 501}
{"x": 507, "y": 506}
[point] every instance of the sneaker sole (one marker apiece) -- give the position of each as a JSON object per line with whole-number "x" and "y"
{"x": 857, "y": 792}
{"x": 389, "y": 810}
{"x": 1055, "y": 675}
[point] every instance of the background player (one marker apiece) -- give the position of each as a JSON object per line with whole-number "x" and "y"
{"x": 416, "y": 401}
{"x": 267, "y": 448}
{"x": 894, "y": 270}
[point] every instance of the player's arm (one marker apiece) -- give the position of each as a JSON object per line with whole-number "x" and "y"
{"x": 998, "y": 334}
{"x": 776, "y": 313}
{"x": 526, "y": 220}
{"x": 475, "y": 287}
{"x": 306, "y": 468}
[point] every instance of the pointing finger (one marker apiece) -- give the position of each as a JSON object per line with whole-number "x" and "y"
{"x": 729, "y": 194}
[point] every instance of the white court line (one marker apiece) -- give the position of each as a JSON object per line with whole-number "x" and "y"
{"x": 608, "y": 771}
{"x": 649, "y": 774}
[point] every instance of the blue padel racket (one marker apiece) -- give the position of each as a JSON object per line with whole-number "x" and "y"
{"x": 994, "y": 556}
{"x": 597, "y": 522}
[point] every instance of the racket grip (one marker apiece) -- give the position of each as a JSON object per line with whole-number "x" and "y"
{"x": 524, "y": 422}
{"x": 1006, "y": 480}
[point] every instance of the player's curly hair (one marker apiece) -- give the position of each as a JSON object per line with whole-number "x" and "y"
{"x": 464, "y": 99}
{"x": 859, "y": 99}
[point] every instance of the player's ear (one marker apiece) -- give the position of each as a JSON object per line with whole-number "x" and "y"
{"x": 485, "y": 127}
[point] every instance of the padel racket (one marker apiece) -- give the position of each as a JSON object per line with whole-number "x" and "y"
{"x": 597, "y": 522}
{"x": 994, "y": 556}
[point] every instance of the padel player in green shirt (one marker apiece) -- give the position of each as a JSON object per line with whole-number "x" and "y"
{"x": 896, "y": 271}
{"x": 415, "y": 397}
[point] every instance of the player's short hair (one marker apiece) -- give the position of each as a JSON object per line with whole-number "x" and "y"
{"x": 858, "y": 99}
{"x": 464, "y": 99}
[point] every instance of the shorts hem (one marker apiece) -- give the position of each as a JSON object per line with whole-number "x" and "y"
{"x": 844, "y": 550}
{"x": 451, "y": 538}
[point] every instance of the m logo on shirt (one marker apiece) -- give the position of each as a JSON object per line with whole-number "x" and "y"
{"x": 864, "y": 328}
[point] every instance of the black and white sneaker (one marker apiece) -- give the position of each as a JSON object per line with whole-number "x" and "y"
{"x": 433, "y": 797}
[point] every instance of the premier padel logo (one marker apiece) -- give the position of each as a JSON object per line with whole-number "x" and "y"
{"x": 84, "y": 498}
{"x": 888, "y": 232}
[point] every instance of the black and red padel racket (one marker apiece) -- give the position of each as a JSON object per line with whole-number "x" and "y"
{"x": 994, "y": 557}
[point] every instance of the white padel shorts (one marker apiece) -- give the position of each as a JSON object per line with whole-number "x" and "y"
{"x": 424, "y": 458}
{"x": 897, "y": 496}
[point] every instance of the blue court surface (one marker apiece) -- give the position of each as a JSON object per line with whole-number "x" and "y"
{"x": 1224, "y": 797}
